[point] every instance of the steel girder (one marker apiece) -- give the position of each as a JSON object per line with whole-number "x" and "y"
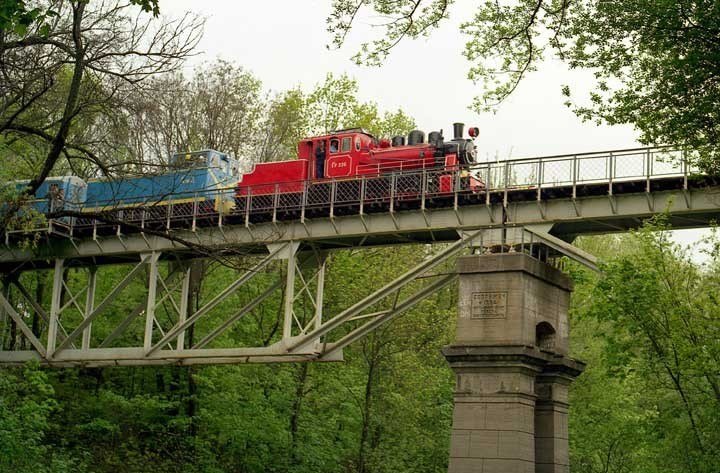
{"x": 566, "y": 217}
{"x": 155, "y": 329}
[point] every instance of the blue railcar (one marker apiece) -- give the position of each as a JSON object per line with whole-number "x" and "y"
{"x": 54, "y": 194}
{"x": 202, "y": 176}
{"x": 57, "y": 193}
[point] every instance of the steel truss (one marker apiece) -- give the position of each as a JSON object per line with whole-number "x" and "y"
{"x": 157, "y": 329}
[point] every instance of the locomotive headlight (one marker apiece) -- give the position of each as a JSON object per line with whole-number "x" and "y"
{"x": 474, "y": 132}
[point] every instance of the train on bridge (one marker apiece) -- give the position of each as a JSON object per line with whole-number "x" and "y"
{"x": 204, "y": 185}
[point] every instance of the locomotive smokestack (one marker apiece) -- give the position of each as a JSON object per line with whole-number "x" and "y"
{"x": 458, "y": 130}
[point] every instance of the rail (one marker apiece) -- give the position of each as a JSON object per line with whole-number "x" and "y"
{"x": 528, "y": 178}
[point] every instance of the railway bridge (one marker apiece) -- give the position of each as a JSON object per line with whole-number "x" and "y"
{"x": 511, "y": 351}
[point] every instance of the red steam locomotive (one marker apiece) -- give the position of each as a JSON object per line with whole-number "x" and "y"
{"x": 352, "y": 154}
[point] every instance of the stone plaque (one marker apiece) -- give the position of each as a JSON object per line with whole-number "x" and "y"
{"x": 488, "y": 305}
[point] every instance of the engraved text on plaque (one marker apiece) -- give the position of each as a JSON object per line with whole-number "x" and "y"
{"x": 488, "y": 305}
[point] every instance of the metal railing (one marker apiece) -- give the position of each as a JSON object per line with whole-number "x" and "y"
{"x": 530, "y": 178}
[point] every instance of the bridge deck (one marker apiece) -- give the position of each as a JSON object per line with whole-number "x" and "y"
{"x": 568, "y": 195}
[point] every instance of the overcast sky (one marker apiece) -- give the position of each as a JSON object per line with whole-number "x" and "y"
{"x": 283, "y": 43}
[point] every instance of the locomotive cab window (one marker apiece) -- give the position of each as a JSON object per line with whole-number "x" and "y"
{"x": 346, "y": 144}
{"x": 334, "y": 145}
{"x": 189, "y": 160}
{"x": 357, "y": 143}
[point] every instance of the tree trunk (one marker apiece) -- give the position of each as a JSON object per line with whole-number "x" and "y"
{"x": 58, "y": 142}
{"x": 197, "y": 273}
{"x": 367, "y": 404}
{"x": 302, "y": 376}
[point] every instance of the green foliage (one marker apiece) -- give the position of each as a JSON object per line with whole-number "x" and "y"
{"x": 409, "y": 18}
{"x": 334, "y": 105}
{"x": 648, "y": 328}
{"x": 18, "y": 16}
{"x": 26, "y": 406}
{"x": 655, "y": 63}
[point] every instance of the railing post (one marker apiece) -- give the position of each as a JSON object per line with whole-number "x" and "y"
{"x": 276, "y": 202}
{"x": 169, "y": 209}
{"x": 456, "y": 186}
{"x": 195, "y": 209}
{"x": 488, "y": 185}
{"x": 648, "y": 169}
{"x": 248, "y": 204}
{"x": 121, "y": 218}
{"x": 683, "y": 157}
{"x": 575, "y": 165}
{"x": 333, "y": 196}
{"x": 610, "y": 172}
{"x": 506, "y": 182}
{"x": 539, "y": 180}
{"x": 220, "y": 211}
{"x": 392, "y": 192}
{"x": 303, "y": 204}
{"x": 423, "y": 187}
{"x": 363, "y": 183}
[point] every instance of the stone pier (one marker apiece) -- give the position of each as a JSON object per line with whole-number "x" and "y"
{"x": 511, "y": 366}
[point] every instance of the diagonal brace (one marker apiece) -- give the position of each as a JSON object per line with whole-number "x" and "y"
{"x": 238, "y": 315}
{"x": 120, "y": 329}
{"x": 182, "y": 326}
{"x": 567, "y": 249}
{"x": 37, "y": 307}
{"x": 22, "y": 325}
{"x": 108, "y": 299}
{"x": 385, "y": 291}
{"x": 386, "y": 316}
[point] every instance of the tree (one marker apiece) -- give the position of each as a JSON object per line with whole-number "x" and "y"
{"x": 77, "y": 64}
{"x": 656, "y": 64}
{"x": 334, "y": 105}
{"x": 284, "y": 125}
{"x": 219, "y": 107}
{"x": 648, "y": 328}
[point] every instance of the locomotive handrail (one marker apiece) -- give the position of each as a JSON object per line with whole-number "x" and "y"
{"x": 404, "y": 183}
{"x": 412, "y": 164}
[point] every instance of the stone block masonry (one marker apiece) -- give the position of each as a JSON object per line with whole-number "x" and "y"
{"x": 511, "y": 366}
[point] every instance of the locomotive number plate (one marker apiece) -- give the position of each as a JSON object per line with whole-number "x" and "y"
{"x": 488, "y": 305}
{"x": 339, "y": 166}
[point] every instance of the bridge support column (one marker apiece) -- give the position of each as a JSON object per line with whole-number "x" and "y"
{"x": 511, "y": 366}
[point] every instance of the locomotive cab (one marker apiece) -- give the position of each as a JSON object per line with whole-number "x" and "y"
{"x": 342, "y": 151}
